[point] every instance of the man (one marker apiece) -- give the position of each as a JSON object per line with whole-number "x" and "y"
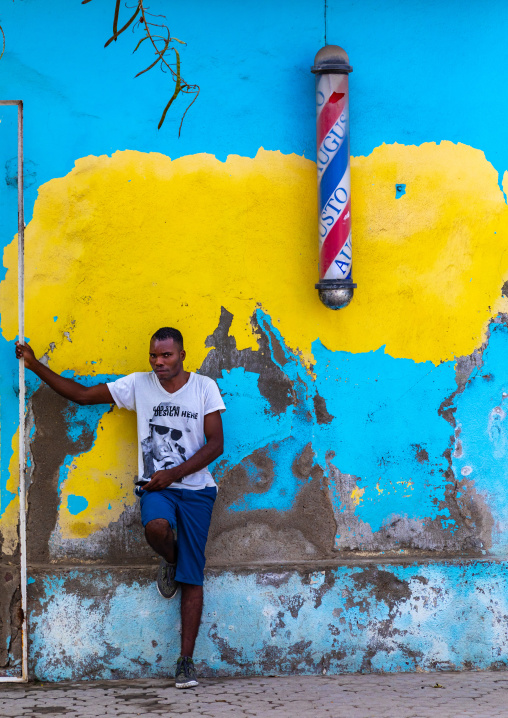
{"x": 179, "y": 434}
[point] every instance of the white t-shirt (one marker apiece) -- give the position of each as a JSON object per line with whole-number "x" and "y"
{"x": 170, "y": 426}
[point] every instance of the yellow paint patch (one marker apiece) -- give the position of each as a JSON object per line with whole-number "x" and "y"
{"x": 356, "y": 495}
{"x": 445, "y": 239}
{"x": 123, "y": 245}
{"x": 9, "y": 519}
{"x": 103, "y": 476}
{"x": 407, "y": 486}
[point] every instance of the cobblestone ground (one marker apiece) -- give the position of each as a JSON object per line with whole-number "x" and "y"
{"x": 416, "y": 695}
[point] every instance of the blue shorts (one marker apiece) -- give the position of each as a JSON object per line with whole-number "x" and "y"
{"x": 189, "y": 512}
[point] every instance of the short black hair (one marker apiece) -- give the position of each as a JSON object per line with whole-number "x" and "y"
{"x": 168, "y": 333}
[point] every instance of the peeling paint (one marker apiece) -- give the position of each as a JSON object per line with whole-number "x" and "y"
{"x": 427, "y": 616}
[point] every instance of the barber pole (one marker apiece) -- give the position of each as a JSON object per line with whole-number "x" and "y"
{"x": 332, "y": 68}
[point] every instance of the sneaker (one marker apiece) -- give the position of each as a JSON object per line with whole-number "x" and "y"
{"x": 166, "y": 584}
{"x": 185, "y": 676}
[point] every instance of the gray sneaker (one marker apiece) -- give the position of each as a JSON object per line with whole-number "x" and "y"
{"x": 185, "y": 676}
{"x": 166, "y": 584}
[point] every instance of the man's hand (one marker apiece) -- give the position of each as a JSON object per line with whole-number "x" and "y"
{"x": 162, "y": 479}
{"x": 68, "y": 388}
{"x": 25, "y": 352}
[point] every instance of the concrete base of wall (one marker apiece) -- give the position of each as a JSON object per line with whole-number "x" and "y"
{"x": 103, "y": 623}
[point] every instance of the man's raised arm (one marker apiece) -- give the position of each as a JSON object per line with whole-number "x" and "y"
{"x": 67, "y": 388}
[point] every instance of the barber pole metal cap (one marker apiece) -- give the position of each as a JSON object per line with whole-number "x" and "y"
{"x": 335, "y": 294}
{"x": 332, "y": 58}
{"x": 335, "y": 285}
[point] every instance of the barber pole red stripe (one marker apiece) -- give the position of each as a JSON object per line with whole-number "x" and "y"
{"x": 334, "y": 242}
{"x": 330, "y": 113}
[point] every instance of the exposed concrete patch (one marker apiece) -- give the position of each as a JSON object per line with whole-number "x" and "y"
{"x": 10, "y": 618}
{"x": 292, "y": 604}
{"x": 273, "y": 384}
{"x": 323, "y": 416}
{"x": 422, "y": 455}
{"x": 469, "y": 514}
{"x": 229, "y": 655}
{"x": 307, "y": 530}
{"x": 121, "y": 542}
{"x": 464, "y": 367}
{"x": 383, "y": 585}
{"x": 50, "y": 445}
{"x": 259, "y": 542}
{"x": 275, "y": 579}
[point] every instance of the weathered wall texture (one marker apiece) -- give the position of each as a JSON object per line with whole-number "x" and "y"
{"x": 362, "y": 511}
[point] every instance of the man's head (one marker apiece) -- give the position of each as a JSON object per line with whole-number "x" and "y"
{"x": 167, "y": 353}
{"x": 168, "y": 333}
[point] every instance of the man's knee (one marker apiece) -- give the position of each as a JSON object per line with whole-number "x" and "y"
{"x": 158, "y": 529}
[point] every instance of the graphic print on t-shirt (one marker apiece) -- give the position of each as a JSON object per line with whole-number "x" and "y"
{"x": 165, "y": 446}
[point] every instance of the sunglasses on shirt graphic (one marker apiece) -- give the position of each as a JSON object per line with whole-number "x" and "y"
{"x": 162, "y": 430}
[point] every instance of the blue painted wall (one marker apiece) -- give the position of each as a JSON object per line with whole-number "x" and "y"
{"x": 373, "y": 444}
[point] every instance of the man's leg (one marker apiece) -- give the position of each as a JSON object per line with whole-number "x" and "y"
{"x": 194, "y": 514}
{"x": 161, "y": 538}
{"x": 191, "y": 608}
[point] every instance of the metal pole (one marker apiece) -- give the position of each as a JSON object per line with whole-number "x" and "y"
{"x": 21, "y": 334}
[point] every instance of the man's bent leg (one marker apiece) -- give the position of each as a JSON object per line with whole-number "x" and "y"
{"x": 191, "y": 609}
{"x": 161, "y": 538}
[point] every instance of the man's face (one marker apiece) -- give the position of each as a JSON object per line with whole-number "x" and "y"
{"x": 164, "y": 442}
{"x": 166, "y": 358}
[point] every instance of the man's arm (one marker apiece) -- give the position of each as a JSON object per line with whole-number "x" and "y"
{"x": 67, "y": 388}
{"x": 211, "y": 450}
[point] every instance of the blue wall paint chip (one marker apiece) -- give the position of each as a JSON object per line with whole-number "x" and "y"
{"x": 76, "y": 504}
{"x": 400, "y": 189}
